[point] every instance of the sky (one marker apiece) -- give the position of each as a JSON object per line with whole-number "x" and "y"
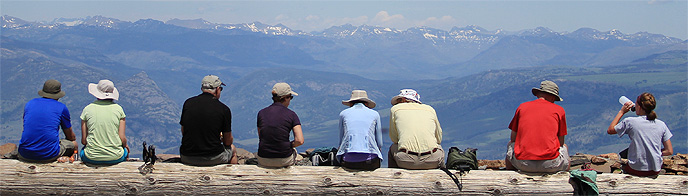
{"x": 667, "y": 17}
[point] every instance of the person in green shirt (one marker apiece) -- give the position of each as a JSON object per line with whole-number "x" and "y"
{"x": 103, "y": 127}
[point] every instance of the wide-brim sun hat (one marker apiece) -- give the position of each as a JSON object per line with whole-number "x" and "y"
{"x": 409, "y": 94}
{"x": 105, "y": 89}
{"x": 52, "y": 89}
{"x": 548, "y": 87}
{"x": 359, "y": 95}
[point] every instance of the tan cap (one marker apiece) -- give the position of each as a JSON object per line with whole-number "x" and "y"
{"x": 282, "y": 89}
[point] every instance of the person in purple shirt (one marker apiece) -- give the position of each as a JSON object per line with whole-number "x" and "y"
{"x": 360, "y": 133}
{"x": 43, "y": 118}
{"x": 274, "y": 124}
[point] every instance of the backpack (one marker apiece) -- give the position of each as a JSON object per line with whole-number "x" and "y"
{"x": 325, "y": 156}
{"x": 462, "y": 160}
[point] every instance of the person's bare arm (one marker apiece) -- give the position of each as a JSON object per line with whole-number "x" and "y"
{"x": 122, "y": 135}
{"x": 561, "y": 140}
{"x": 84, "y": 132}
{"x": 298, "y": 137}
{"x": 668, "y": 149}
{"x": 625, "y": 108}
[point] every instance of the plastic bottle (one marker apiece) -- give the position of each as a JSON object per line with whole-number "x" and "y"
{"x": 624, "y": 99}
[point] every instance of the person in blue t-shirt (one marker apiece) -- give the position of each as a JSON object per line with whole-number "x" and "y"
{"x": 43, "y": 118}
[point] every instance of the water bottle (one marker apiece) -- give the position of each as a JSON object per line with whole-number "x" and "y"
{"x": 624, "y": 99}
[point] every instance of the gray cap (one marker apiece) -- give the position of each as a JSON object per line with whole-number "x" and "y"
{"x": 211, "y": 82}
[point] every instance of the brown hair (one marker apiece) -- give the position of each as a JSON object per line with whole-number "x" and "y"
{"x": 648, "y": 103}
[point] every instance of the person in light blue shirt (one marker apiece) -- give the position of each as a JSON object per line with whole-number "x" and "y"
{"x": 360, "y": 133}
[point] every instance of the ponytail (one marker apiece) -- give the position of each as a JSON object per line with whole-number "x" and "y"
{"x": 648, "y": 103}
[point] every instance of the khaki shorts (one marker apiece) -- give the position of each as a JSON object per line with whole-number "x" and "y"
{"x": 411, "y": 161}
{"x": 222, "y": 158}
{"x": 278, "y": 162}
{"x": 561, "y": 163}
{"x": 66, "y": 149}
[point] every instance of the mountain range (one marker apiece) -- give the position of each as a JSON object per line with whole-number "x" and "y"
{"x": 474, "y": 78}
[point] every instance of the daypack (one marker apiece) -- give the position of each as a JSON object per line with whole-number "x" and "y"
{"x": 325, "y": 156}
{"x": 462, "y": 160}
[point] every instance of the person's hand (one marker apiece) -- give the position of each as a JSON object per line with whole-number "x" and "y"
{"x": 626, "y": 107}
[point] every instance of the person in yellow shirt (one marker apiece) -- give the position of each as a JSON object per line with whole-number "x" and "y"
{"x": 415, "y": 132}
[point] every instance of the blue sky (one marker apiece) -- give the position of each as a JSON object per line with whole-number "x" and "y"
{"x": 655, "y": 16}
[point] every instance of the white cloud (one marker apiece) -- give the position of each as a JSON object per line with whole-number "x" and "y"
{"x": 312, "y": 18}
{"x": 444, "y": 22}
{"x": 384, "y": 17}
{"x": 281, "y": 17}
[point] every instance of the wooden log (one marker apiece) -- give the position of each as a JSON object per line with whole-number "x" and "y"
{"x": 19, "y": 178}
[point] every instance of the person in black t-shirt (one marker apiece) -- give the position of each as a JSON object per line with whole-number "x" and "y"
{"x": 274, "y": 124}
{"x": 207, "y": 127}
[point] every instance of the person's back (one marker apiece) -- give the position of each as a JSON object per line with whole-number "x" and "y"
{"x": 103, "y": 127}
{"x": 274, "y": 123}
{"x": 43, "y": 118}
{"x": 206, "y": 127}
{"x": 538, "y": 129}
{"x": 360, "y": 133}
{"x": 102, "y": 121}
{"x": 650, "y": 137}
{"x": 415, "y": 132}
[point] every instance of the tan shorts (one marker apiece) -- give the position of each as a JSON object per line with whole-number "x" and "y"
{"x": 561, "y": 163}
{"x": 411, "y": 161}
{"x": 278, "y": 162}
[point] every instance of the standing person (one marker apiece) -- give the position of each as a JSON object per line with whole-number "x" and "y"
{"x": 103, "y": 127}
{"x": 647, "y": 133}
{"x": 43, "y": 118}
{"x": 206, "y": 126}
{"x": 415, "y": 132}
{"x": 274, "y": 124}
{"x": 360, "y": 133}
{"x": 537, "y": 133}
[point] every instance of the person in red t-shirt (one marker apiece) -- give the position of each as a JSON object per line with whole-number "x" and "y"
{"x": 537, "y": 133}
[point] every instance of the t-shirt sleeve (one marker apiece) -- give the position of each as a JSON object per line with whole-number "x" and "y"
{"x": 65, "y": 119}
{"x": 121, "y": 113}
{"x": 622, "y": 127}
{"x": 227, "y": 125}
{"x": 562, "y": 125}
{"x": 295, "y": 119}
{"x": 667, "y": 134}
{"x": 514, "y": 121}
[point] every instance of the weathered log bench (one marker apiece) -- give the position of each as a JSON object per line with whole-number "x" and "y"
{"x": 19, "y": 178}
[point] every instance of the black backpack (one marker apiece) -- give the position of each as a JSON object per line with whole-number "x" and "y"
{"x": 462, "y": 160}
{"x": 325, "y": 156}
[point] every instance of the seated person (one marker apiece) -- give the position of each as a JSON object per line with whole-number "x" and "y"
{"x": 415, "y": 132}
{"x": 103, "y": 126}
{"x": 43, "y": 117}
{"x": 274, "y": 124}
{"x": 207, "y": 127}
{"x": 648, "y": 134}
{"x": 537, "y": 133}
{"x": 360, "y": 133}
